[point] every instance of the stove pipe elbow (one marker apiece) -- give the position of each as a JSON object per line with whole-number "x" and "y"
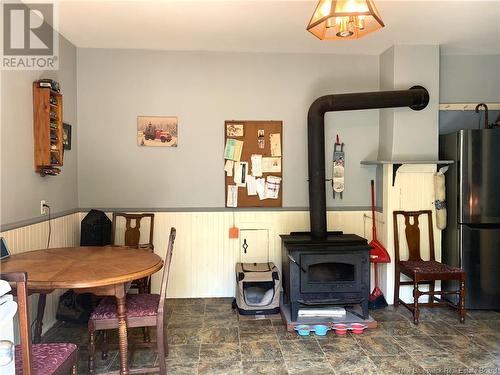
{"x": 416, "y": 98}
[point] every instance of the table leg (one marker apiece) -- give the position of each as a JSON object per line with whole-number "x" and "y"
{"x": 37, "y": 336}
{"x": 122, "y": 328}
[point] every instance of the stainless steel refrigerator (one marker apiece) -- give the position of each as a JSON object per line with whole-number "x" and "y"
{"x": 472, "y": 237}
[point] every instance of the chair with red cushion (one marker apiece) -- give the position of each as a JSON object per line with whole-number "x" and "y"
{"x": 143, "y": 310}
{"x": 423, "y": 271}
{"x": 38, "y": 359}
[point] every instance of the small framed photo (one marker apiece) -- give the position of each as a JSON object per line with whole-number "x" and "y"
{"x": 156, "y": 131}
{"x": 66, "y": 141}
{"x": 234, "y": 130}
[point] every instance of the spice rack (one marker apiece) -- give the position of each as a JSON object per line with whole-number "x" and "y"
{"x": 47, "y": 130}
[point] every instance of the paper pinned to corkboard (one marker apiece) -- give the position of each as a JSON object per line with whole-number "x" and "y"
{"x": 275, "y": 140}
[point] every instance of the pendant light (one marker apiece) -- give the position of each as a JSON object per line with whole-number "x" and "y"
{"x": 344, "y": 19}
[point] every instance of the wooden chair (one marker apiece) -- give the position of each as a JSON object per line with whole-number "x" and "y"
{"x": 38, "y": 359}
{"x": 143, "y": 310}
{"x": 423, "y": 271}
{"x": 132, "y": 239}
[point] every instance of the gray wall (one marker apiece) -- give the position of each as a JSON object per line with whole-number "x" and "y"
{"x": 386, "y": 123}
{"x": 406, "y": 134}
{"x": 452, "y": 121}
{"x": 468, "y": 79}
{"x": 203, "y": 90}
{"x": 474, "y": 78}
{"x": 416, "y": 132}
{"x": 21, "y": 188}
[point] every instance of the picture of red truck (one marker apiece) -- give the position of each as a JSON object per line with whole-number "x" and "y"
{"x": 156, "y": 131}
{"x": 154, "y": 134}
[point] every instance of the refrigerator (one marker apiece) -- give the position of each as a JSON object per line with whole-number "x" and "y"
{"x": 471, "y": 239}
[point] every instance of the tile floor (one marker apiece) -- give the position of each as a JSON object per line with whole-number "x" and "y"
{"x": 207, "y": 337}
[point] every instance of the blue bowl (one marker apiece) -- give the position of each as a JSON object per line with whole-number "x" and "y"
{"x": 321, "y": 329}
{"x": 303, "y": 330}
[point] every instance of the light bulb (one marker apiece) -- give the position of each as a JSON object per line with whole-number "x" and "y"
{"x": 360, "y": 22}
{"x": 332, "y": 22}
{"x": 344, "y": 28}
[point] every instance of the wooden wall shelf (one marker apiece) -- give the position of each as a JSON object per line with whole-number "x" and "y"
{"x": 47, "y": 130}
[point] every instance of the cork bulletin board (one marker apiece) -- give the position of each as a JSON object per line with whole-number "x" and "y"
{"x": 248, "y": 145}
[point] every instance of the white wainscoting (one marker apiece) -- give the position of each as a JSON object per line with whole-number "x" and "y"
{"x": 65, "y": 232}
{"x": 204, "y": 256}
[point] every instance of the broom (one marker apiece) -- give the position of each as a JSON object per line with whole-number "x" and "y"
{"x": 378, "y": 254}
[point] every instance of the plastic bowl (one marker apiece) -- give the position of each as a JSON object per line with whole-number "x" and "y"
{"x": 340, "y": 329}
{"x": 303, "y": 330}
{"x": 321, "y": 329}
{"x": 357, "y": 328}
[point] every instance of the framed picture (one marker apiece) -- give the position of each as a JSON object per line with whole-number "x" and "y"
{"x": 156, "y": 131}
{"x": 66, "y": 137}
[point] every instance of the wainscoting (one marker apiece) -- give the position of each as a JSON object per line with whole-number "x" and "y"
{"x": 204, "y": 256}
{"x": 65, "y": 232}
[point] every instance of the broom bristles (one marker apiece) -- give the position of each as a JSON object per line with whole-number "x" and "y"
{"x": 378, "y": 303}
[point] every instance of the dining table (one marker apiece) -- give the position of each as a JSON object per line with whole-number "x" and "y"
{"x": 101, "y": 270}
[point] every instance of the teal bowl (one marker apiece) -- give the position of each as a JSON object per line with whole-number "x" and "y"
{"x": 303, "y": 330}
{"x": 321, "y": 329}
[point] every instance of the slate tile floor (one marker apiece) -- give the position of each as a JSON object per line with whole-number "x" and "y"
{"x": 207, "y": 337}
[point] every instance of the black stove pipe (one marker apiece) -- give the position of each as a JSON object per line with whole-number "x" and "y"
{"x": 416, "y": 98}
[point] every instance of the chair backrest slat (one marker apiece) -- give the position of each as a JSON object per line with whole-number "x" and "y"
{"x": 20, "y": 278}
{"x": 412, "y": 233}
{"x": 133, "y": 232}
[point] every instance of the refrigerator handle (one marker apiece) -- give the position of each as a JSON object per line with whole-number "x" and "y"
{"x": 459, "y": 165}
{"x": 460, "y": 246}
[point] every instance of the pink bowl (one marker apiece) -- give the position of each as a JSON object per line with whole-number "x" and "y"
{"x": 357, "y": 328}
{"x": 340, "y": 329}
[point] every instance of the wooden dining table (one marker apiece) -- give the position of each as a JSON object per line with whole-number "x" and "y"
{"x": 103, "y": 271}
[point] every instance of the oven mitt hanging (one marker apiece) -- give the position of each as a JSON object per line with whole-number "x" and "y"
{"x": 338, "y": 168}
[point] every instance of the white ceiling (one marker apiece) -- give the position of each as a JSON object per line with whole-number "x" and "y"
{"x": 460, "y": 27}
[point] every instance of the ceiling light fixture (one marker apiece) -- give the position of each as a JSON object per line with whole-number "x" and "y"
{"x": 344, "y": 19}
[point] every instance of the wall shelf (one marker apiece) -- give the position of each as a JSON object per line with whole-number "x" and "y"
{"x": 396, "y": 164}
{"x": 47, "y": 130}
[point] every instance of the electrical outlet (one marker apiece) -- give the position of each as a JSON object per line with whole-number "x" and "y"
{"x": 43, "y": 210}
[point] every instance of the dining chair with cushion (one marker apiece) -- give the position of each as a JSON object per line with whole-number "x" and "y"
{"x": 38, "y": 359}
{"x": 142, "y": 310}
{"x": 132, "y": 237}
{"x": 425, "y": 272}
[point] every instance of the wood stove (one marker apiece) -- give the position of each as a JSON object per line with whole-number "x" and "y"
{"x": 331, "y": 268}
{"x": 328, "y": 271}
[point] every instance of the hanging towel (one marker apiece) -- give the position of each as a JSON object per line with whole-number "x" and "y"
{"x": 440, "y": 194}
